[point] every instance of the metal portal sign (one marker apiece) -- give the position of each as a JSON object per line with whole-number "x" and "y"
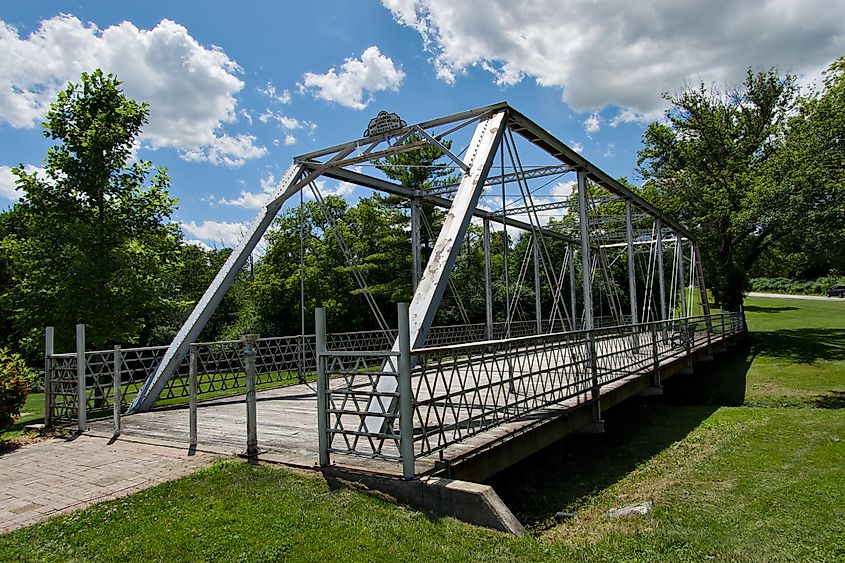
{"x": 383, "y": 123}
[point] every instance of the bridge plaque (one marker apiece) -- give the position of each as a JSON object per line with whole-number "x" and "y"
{"x": 383, "y": 123}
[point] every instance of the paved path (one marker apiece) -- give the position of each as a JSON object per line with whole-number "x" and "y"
{"x": 784, "y": 296}
{"x": 59, "y": 475}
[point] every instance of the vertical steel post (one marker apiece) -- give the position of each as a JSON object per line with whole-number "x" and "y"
{"x": 702, "y": 288}
{"x": 583, "y": 219}
{"x": 682, "y": 282}
{"x": 250, "y": 352}
{"x": 322, "y": 386}
{"x": 538, "y": 306}
{"x": 415, "y": 243}
{"x": 632, "y": 277}
{"x": 49, "y": 350}
{"x": 192, "y": 395}
{"x": 81, "y": 395}
{"x": 505, "y": 246}
{"x": 117, "y": 392}
{"x": 406, "y": 398}
{"x": 572, "y": 291}
{"x": 681, "y": 275}
{"x": 655, "y": 377}
{"x": 661, "y": 272}
{"x": 661, "y": 277}
{"x": 702, "y": 294}
{"x": 488, "y": 285}
{"x": 300, "y": 364}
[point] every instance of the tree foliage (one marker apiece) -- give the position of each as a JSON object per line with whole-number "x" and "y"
{"x": 813, "y": 163}
{"x": 757, "y": 173}
{"x": 93, "y": 241}
{"x": 711, "y": 164}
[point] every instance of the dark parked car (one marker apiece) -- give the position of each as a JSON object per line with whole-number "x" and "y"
{"x": 836, "y": 291}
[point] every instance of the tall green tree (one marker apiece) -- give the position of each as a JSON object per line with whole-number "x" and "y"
{"x": 95, "y": 239}
{"x": 811, "y": 169}
{"x": 712, "y": 163}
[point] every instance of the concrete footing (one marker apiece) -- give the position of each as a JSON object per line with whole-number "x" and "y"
{"x": 595, "y": 427}
{"x": 470, "y": 502}
{"x": 651, "y": 392}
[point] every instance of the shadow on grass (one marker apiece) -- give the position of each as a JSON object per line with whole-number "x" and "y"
{"x": 564, "y": 475}
{"x": 833, "y": 400}
{"x": 761, "y": 309}
{"x": 803, "y": 345}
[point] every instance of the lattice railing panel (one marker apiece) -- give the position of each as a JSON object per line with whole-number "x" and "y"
{"x": 353, "y": 398}
{"x": 463, "y": 390}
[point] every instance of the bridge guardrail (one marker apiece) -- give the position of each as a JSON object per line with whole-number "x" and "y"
{"x": 279, "y": 361}
{"x": 460, "y": 390}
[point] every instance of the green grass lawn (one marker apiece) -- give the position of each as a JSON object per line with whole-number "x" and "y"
{"x": 31, "y": 413}
{"x": 744, "y": 461}
{"x": 798, "y": 355}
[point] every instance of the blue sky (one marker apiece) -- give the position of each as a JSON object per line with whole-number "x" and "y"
{"x": 237, "y": 89}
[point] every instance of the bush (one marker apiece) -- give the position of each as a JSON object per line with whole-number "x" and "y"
{"x": 796, "y": 287}
{"x": 15, "y": 382}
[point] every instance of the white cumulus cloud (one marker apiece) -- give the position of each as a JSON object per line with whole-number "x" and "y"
{"x": 623, "y": 53}
{"x": 191, "y": 88}
{"x": 199, "y": 243}
{"x": 593, "y": 123}
{"x": 356, "y": 81}
{"x": 254, "y": 200}
{"x": 270, "y": 91}
{"x": 223, "y": 232}
{"x": 228, "y": 151}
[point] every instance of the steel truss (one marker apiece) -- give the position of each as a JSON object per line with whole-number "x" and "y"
{"x": 499, "y": 132}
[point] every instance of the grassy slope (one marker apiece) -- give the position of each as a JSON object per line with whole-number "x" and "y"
{"x": 728, "y": 482}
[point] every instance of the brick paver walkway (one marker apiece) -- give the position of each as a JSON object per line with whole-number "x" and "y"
{"x": 58, "y": 475}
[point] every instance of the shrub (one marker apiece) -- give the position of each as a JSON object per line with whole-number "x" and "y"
{"x": 796, "y": 287}
{"x": 15, "y": 381}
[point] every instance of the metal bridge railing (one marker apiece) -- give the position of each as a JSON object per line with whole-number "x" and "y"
{"x": 457, "y": 391}
{"x": 279, "y": 361}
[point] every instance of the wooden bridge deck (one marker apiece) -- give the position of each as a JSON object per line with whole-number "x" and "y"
{"x": 287, "y": 428}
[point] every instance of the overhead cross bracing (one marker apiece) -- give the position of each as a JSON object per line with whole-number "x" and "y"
{"x": 510, "y": 174}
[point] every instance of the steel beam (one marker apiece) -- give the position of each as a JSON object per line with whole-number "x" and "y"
{"x": 537, "y": 301}
{"x": 632, "y": 276}
{"x": 702, "y": 288}
{"x": 541, "y": 138}
{"x": 584, "y": 224}
{"x": 446, "y": 120}
{"x": 682, "y": 282}
{"x": 208, "y": 303}
{"x": 415, "y": 243}
{"x": 530, "y": 174}
{"x": 488, "y": 285}
{"x": 570, "y": 257}
{"x": 373, "y": 183}
{"x": 661, "y": 272}
{"x": 479, "y": 158}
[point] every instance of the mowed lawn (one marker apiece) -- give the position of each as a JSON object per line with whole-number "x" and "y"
{"x": 744, "y": 461}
